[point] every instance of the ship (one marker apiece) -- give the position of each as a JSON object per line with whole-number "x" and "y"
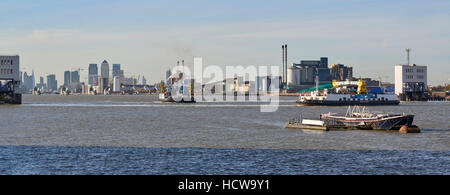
{"x": 358, "y": 118}
{"x": 363, "y": 119}
{"x": 343, "y": 93}
{"x": 178, "y": 88}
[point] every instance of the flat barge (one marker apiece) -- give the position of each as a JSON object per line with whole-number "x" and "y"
{"x": 358, "y": 119}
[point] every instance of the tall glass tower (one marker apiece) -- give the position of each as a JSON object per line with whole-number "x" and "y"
{"x": 93, "y": 74}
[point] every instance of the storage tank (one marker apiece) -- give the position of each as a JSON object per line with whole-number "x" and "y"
{"x": 293, "y": 76}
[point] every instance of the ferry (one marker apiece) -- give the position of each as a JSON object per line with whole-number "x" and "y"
{"x": 343, "y": 93}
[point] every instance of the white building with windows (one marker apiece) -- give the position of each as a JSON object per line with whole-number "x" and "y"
{"x": 10, "y": 91}
{"x": 410, "y": 78}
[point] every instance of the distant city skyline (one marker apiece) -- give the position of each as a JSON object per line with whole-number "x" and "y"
{"x": 148, "y": 37}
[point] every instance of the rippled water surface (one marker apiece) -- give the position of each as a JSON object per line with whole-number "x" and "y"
{"x": 140, "y": 135}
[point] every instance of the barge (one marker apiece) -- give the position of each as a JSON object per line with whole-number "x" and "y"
{"x": 308, "y": 124}
{"x": 358, "y": 118}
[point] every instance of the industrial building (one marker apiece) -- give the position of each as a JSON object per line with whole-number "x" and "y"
{"x": 411, "y": 81}
{"x": 340, "y": 72}
{"x": 303, "y": 75}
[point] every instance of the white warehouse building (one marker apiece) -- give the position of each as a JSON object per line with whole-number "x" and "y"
{"x": 410, "y": 79}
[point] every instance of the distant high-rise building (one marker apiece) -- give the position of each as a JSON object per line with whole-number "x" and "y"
{"x": 115, "y": 70}
{"x": 144, "y": 81}
{"x": 21, "y": 76}
{"x": 105, "y": 73}
{"x": 41, "y": 84}
{"x": 33, "y": 83}
{"x": 93, "y": 74}
{"x": 67, "y": 79}
{"x": 52, "y": 84}
{"x": 74, "y": 79}
{"x": 121, "y": 74}
{"x": 27, "y": 81}
{"x": 41, "y": 80}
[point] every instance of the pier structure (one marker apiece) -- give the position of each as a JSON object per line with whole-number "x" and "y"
{"x": 411, "y": 81}
{"x": 10, "y": 92}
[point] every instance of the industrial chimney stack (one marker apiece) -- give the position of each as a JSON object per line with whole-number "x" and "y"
{"x": 285, "y": 64}
{"x": 282, "y": 56}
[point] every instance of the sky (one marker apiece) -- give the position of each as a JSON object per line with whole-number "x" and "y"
{"x": 148, "y": 37}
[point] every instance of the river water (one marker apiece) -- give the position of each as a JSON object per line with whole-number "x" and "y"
{"x": 53, "y": 134}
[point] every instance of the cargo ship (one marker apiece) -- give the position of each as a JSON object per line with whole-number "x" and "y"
{"x": 344, "y": 93}
{"x": 178, "y": 88}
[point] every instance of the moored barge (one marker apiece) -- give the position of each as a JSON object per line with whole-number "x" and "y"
{"x": 358, "y": 118}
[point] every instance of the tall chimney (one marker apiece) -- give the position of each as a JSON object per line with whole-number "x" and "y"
{"x": 182, "y": 66}
{"x": 282, "y": 56}
{"x": 285, "y": 63}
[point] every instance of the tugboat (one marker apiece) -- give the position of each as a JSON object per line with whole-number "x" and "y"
{"x": 179, "y": 88}
{"x": 343, "y": 93}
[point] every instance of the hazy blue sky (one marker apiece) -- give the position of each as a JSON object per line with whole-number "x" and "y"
{"x": 147, "y": 37}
